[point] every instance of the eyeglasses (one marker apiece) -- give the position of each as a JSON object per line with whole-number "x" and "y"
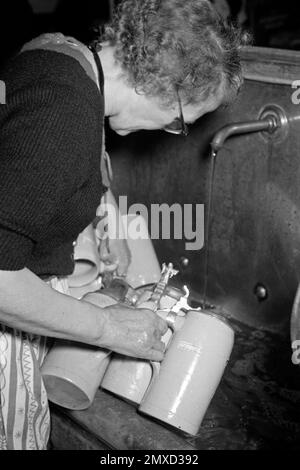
{"x": 178, "y": 126}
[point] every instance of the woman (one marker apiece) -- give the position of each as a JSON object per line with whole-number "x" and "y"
{"x": 160, "y": 65}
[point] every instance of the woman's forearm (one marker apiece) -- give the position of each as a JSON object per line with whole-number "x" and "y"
{"x": 29, "y": 304}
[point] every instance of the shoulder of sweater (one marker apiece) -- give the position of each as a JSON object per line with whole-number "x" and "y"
{"x": 39, "y": 67}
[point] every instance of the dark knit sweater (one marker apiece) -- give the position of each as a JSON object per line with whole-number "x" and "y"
{"x": 50, "y": 147}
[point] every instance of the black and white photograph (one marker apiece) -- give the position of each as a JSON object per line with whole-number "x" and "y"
{"x": 149, "y": 228}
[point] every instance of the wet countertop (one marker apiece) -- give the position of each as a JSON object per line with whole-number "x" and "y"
{"x": 257, "y": 406}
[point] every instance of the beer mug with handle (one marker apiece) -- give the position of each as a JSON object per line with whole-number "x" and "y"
{"x": 129, "y": 378}
{"x": 72, "y": 372}
{"x": 191, "y": 371}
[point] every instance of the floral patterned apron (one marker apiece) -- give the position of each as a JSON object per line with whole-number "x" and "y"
{"x": 24, "y": 410}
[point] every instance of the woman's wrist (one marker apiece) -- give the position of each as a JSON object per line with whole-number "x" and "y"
{"x": 97, "y": 318}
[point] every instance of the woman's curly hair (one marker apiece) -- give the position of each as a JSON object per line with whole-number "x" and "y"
{"x": 164, "y": 45}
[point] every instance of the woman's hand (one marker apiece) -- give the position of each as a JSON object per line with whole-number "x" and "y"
{"x": 133, "y": 332}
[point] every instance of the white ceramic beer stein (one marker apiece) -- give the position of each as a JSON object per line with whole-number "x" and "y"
{"x": 86, "y": 259}
{"x": 129, "y": 378}
{"x": 79, "y": 292}
{"x": 170, "y": 297}
{"x": 144, "y": 267}
{"x": 72, "y": 371}
{"x": 190, "y": 372}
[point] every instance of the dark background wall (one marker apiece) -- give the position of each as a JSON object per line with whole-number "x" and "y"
{"x": 274, "y": 23}
{"x": 254, "y": 232}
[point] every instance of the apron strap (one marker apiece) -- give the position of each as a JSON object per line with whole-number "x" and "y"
{"x": 57, "y": 42}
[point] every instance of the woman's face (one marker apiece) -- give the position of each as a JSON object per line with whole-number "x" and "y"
{"x": 142, "y": 112}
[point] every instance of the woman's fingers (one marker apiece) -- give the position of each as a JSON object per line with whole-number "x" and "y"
{"x": 155, "y": 355}
{"x": 159, "y": 346}
{"x": 162, "y": 325}
{"x": 134, "y": 332}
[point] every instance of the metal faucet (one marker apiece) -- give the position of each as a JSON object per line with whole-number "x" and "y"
{"x": 271, "y": 119}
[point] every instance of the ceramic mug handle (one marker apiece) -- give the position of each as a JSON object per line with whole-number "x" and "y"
{"x": 174, "y": 323}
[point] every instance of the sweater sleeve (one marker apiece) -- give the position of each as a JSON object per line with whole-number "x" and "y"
{"x": 43, "y": 130}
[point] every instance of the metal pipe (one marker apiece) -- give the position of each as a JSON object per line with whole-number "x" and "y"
{"x": 268, "y": 124}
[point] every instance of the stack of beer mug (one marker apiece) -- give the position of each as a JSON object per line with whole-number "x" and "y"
{"x": 178, "y": 390}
